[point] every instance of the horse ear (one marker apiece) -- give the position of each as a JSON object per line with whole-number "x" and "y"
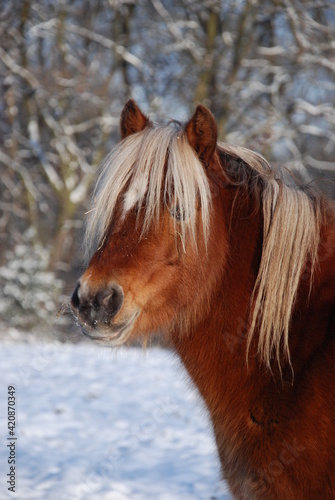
{"x": 132, "y": 119}
{"x": 201, "y": 132}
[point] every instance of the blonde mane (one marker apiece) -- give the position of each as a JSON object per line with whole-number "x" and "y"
{"x": 291, "y": 235}
{"x": 148, "y": 166}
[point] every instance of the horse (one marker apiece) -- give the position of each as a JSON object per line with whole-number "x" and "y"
{"x": 233, "y": 261}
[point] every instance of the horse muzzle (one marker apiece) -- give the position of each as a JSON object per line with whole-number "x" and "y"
{"x": 95, "y": 311}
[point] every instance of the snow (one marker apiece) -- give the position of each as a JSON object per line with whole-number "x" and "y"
{"x": 100, "y": 424}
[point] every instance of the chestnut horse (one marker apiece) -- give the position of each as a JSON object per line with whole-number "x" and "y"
{"x": 235, "y": 264}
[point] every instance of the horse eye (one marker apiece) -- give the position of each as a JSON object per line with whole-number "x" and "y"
{"x": 177, "y": 213}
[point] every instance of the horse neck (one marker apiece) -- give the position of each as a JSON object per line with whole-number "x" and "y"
{"x": 313, "y": 322}
{"x": 214, "y": 350}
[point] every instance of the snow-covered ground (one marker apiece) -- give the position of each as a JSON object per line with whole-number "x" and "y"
{"x": 97, "y": 424}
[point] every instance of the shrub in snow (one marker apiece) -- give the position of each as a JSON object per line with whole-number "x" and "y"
{"x": 28, "y": 292}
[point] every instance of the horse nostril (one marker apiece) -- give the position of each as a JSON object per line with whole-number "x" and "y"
{"x": 75, "y": 301}
{"x": 110, "y": 300}
{"x": 95, "y": 307}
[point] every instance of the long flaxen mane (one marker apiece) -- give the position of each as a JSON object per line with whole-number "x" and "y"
{"x": 291, "y": 235}
{"x": 159, "y": 164}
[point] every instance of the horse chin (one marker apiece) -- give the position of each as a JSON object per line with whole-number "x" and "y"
{"x": 116, "y": 334}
